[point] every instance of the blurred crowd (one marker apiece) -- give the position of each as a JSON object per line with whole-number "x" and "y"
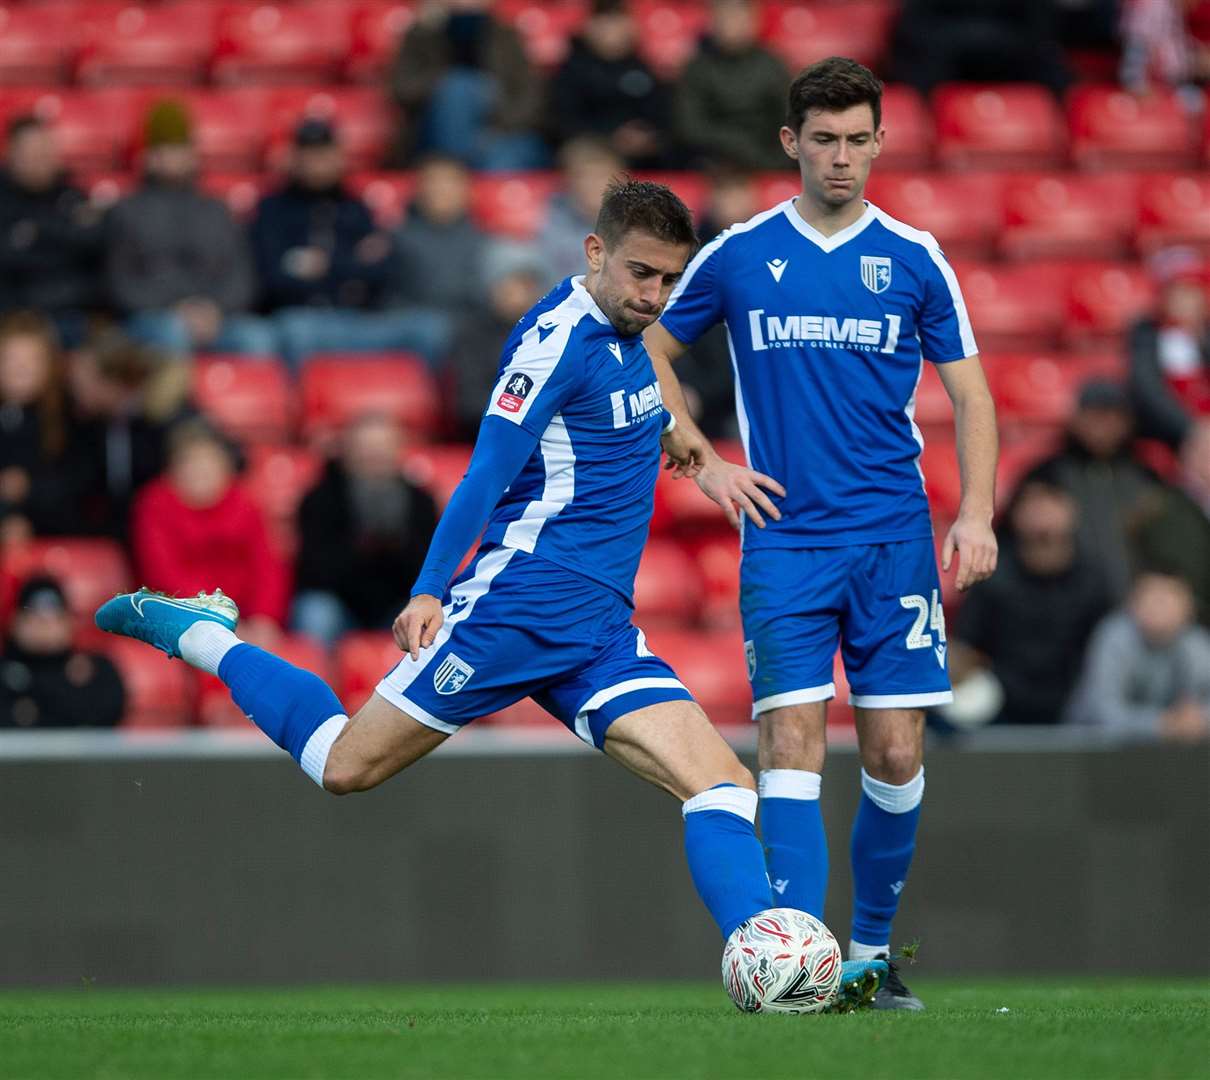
{"x": 1098, "y": 615}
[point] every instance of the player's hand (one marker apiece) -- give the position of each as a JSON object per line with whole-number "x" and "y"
{"x": 975, "y": 544}
{"x": 418, "y": 623}
{"x": 686, "y": 452}
{"x": 738, "y": 489}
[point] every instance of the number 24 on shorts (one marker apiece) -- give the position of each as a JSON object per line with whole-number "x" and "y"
{"x": 931, "y": 613}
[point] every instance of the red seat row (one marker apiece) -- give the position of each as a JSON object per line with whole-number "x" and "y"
{"x": 123, "y": 42}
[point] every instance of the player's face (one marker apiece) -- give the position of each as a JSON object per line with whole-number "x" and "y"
{"x": 834, "y": 151}
{"x": 632, "y": 282}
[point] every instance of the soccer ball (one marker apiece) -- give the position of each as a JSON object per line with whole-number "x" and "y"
{"x": 781, "y": 960}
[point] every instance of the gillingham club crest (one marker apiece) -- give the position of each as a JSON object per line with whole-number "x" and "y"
{"x": 452, "y": 674}
{"x": 876, "y": 272}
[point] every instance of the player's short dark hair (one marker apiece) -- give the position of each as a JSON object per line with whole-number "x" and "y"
{"x": 643, "y": 205}
{"x": 19, "y": 125}
{"x": 833, "y": 85}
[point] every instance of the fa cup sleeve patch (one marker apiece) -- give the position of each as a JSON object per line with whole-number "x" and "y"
{"x": 516, "y": 390}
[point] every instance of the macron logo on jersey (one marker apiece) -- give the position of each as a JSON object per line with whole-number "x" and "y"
{"x": 823, "y": 331}
{"x": 515, "y": 392}
{"x": 777, "y": 267}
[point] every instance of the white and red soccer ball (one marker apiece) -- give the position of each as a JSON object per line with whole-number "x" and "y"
{"x": 782, "y": 960}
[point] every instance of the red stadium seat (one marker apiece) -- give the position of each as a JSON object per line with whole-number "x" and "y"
{"x": 776, "y": 187}
{"x": 933, "y": 406}
{"x": 229, "y": 127}
{"x": 711, "y": 664}
{"x": 1018, "y": 456}
{"x": 1052, "y": 215}
{"x": 377, "y": 29}
{"x": 667, "y": 588}
{"x": 1040, "y": 390}
{"x": 438, "y": 469}
{"x": 962, "y": 212}
{"x": 687, "y": 511}
{"x": 36, "y": 44}
{"x": 90, "y": 570}
{"x": 276, "y": 479}
{"x": 360, "y": 114}
{"x": 803, "y": 33}
{"x": 95, "y": 128}
{"x": 513, "y": 204}
{"x": 692, "y": 187}
{"x": 1103, "y": 300}
{"x": 362, "y": 659}
{"x": 668, "y": 32}
{"x": 718, "y": 565}
{"x": 1173, "y": 209}
{"x": 240, "y": 191}
{"x": 215, "y": 707}
{"x": 909, "y": 129}
{"x": 939, "y": 463}
{"x": 1015, "y": 307}
{"x": 132, "y": 44}
{"x": 387, "y": 194}
{"x": 1002, "y": 126}
{"x": 159, "y": 691}
{"x": 277, "y": 44}
{"x": 337, "y": 387}
{"x": 1113, "y": 129}
{"x": 250, "y": 398}
{"x": 526, "y": 713}
{"x": 546, "y": 28}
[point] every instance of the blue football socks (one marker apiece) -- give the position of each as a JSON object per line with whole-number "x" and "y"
{"x": 725, "y": 856}
{"x": 287, "y": 703}
{"x": 884, "y": 838}
{"x": 795, "y": 842}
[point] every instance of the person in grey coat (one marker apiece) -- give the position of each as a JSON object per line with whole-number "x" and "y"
{"x": 1148, "y": 665}
{"x": 177, "y": 266}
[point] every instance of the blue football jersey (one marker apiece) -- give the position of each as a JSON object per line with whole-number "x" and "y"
{"x": 585, "y": 497}
{"x": 828, "y": 335}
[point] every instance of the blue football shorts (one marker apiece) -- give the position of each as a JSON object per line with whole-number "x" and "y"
{"x": 880, "y": 602}
{"x": 519, "y": 626}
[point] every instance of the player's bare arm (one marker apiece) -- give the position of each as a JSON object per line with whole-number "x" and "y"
{"x": 971, "y": 537}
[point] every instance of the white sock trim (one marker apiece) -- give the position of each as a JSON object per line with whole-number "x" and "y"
{"x": 860, "y": 951}
{"x": 894, "y": 799}
{"x": 790, "y": 784}
{"x": 315, "y": 753}
{"x": 205, "y": 643}
{"x": 734, "y": 800}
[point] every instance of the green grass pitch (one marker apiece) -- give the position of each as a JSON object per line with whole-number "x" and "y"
{"x": 1021, "y": 1029}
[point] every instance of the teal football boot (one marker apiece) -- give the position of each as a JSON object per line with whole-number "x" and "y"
{"x": 860, "y": 981}
{"x": 160, "y": 619}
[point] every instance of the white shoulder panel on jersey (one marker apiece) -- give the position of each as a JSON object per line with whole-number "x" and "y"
{"x": 929, "y": 242}
{"x": 709, "y": 249}
{"x": 537, "y": 355}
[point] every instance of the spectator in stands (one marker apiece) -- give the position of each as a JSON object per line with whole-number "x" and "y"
{"x": 44, "y": 681}
{"x": 1170, "y": 350}
{"x": 124, "y": 401}
{"x": 1148, "y": 667}
{"x": 464, "y": 76}
{"x": 324, "y": 265}
{"x": 41, "y": 480}
{"x": 364, "y": 531}
{"x": 1099, "y": 469}
{"x": 1165, "y": 43}
{"x": 731, "y": 97}
{"x": 1030, "y": 621}
{"x": 1173, "y": 525}
{"x": 587, "y": 164}
{"x": 195, "y": 526}
{"x": 178, "y": 266}
{"x": 50, "y": 236}
{"x": 604, "y": 88}
{"x": 516, "y": 280}
{"x": 937, "y": 41}
{"x": 438, "y": 273}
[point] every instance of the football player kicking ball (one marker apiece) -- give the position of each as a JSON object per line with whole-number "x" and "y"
{"x": 563, "y": 475}
{"x": 831, "y": 306}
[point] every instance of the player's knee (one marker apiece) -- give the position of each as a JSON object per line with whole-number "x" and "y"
{"x": 894, "y": 763}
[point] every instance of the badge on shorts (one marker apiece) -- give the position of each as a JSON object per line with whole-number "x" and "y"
{"x": 876, "y": 272}
{"x": 516, "y": 390}
{"x": 452, "y": 674}
{"x": 750, "y": 656}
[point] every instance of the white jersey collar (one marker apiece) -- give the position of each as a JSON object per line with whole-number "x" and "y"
{"x": 577, "y": 285}
{"x": 827, "y": 243}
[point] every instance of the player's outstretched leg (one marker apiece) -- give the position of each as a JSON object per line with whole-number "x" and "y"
{"x": 884, "y": 837}
{"x": 294, "y": 707}
{"x": 674, "y": 746}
